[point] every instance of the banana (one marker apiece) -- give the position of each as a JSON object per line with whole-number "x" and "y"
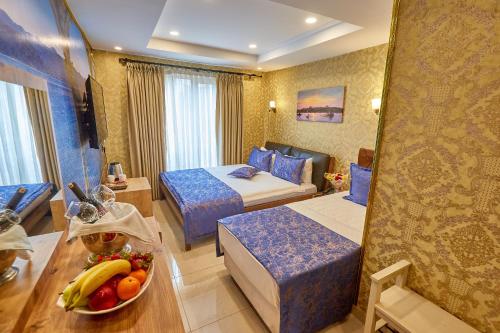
{"x": 74, "y": 287}
{"x": 97, "y": 278}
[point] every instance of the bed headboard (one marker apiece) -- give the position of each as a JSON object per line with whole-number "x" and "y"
{"x": 365, "y": 157}
{"x": 321, "y": 161}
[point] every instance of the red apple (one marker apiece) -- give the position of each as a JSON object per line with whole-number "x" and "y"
{"x": 103, "y": 298}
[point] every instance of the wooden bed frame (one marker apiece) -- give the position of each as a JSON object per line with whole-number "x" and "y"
{"x": 30, "y": 221}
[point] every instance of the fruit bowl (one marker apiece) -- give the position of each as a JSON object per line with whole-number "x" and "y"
{"x": 108, "y": 283}
{"x": 86, "y": 311}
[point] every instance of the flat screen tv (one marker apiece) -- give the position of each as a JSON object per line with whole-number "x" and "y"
{"x": 94, "y": 118}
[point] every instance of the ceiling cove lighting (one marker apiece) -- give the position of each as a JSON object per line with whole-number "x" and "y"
{"x": 174, "y": 33}
{"x": 118, "y": 48}
{"x": 252, "y": 46}
{"x": 311, "y": 20}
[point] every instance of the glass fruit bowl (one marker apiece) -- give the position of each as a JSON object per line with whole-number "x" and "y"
{"x": 7, "y": 258}
{"x": 105, "y": 243}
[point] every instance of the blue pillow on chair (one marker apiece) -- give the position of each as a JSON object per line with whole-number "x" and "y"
{"x": 261, "y": 159}
{"x": 244, "y": 172}
{"x": 360, "y": 184}
{"x": 288, "y": 167}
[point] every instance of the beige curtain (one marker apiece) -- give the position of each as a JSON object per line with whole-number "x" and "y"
{"x": 230, "y": 118}
{"x": 41, "y": 121}
{"x": 146, "y": 122}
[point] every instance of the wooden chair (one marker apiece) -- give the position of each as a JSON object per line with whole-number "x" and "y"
{"x": 404, "y": 309}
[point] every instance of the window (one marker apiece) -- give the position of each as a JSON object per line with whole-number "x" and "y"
{"x": 191, "y": 135}
{"x": 18, "y": 158}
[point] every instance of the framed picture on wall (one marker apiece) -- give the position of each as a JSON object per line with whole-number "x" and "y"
{"x": 323, "y": 105}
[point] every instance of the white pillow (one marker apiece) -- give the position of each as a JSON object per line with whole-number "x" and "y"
{"x": 306, "y": 177}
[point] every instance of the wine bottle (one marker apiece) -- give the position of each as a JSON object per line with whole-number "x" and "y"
{"x": 82, "y": 197}
{"x": 16, "y": 198}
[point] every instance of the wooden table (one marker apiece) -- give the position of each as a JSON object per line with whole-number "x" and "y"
{"x": 16, "y": 295}
{"x": 137, "y": 193}
{"x": 155, "y": 311}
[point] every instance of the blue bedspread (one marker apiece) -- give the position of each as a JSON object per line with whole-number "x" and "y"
{"x": 315, "y": 268}
{"x": 32, "y": 193}
{"x": 203, "y": 199}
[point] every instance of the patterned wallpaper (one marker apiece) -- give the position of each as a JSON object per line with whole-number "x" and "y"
{"x": 436, "y": 199}
{"x": 112, "y": 76}
{"x": 362, "y": 73}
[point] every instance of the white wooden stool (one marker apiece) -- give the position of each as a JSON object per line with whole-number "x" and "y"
{"x": 404, "y": 309}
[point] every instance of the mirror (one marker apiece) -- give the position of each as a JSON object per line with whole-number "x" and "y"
{"x": 28, "y": 164}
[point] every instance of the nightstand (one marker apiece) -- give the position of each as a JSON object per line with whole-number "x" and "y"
{"x": 137, "y": 193}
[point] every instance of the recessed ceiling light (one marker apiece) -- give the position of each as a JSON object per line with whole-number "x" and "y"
{"x": 174, "y": 33}
{"x": 118, "y": 48}
{"x": 311, "y": 20}
{"x": 252, "y": 46}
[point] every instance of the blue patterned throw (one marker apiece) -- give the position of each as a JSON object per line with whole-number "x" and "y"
{"x": 33, "y": 191}
{"x": 315, "y": 268}
{"x": 203, "y": 199}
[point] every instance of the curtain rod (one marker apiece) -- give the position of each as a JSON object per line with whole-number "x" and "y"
{"x": 124, "y": 61}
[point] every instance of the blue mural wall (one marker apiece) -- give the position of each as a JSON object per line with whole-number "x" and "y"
{"x": 39, "y": 37}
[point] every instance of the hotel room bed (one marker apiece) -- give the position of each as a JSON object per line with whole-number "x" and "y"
{"x": 34, "y": 204}
{"x": 297, "y": 264}
{"x": 200, "y": 197}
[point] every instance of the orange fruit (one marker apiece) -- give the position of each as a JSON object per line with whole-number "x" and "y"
{"x": 128, "y": 288}
{"x": 140, "y": 275}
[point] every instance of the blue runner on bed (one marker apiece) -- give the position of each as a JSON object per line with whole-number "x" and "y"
{"x": 203, "y": 199}
{"x": 315, "y": 268}
{"x": 33, "y": 191}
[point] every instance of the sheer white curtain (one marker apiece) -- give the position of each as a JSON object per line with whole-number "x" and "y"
{"x": 18, "y": 159}
{"x": 190, "y": 105}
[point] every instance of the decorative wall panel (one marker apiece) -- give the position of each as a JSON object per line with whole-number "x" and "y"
{"x": 436, "y": 197}
{"x": 362, "y": 72}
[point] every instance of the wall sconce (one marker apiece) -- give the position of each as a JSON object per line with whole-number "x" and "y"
{"x": 376, "y": 105}
{"x": 272, "y": 106}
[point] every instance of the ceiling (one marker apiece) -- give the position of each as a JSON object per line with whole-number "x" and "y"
{"x": 220, "y": 32}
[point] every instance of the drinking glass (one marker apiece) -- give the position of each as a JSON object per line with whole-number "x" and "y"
{"x": 8, "y": 218}
{"x": 107, "y": 198}
{"x": 86, "y": 212}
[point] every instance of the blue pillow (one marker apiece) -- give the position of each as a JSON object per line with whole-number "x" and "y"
{"x": 288, "y": 167}
{"x": 260, "y": 159}
{"x": 360, "y": 184}
{"x": 244, "y": 172}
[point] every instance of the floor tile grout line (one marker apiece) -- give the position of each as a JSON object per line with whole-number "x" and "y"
{"x": 182, "y": 304}
{"x": 221, "y": 318}
{"x": 198, "y": 271}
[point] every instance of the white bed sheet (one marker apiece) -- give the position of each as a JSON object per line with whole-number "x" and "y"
{"x": 262, "y": 188}
{"x": 342, "y": 216}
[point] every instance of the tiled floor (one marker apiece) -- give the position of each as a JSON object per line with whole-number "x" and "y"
{"x": 208, "y": 298}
